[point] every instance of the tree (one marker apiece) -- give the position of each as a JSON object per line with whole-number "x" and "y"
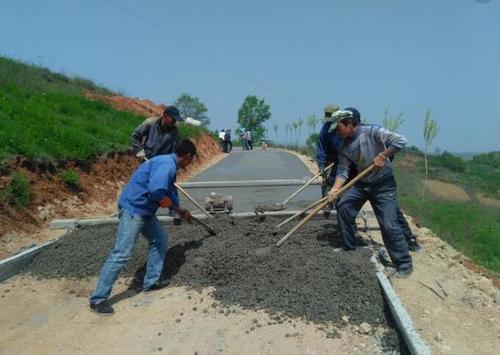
{"x": 288, "y": 128}
{"x": 312, "y": 121}
{"x": 252, "y": 114}
{"x": 275, "y": 128}
{"x": 191, "y": 106}
{"x": 392, "y": 123}
{"x": 430, "y": 131}
{"x": 313, "y": 140}
{"x": 300, "y": 122}
{"x": 295, "y": 126}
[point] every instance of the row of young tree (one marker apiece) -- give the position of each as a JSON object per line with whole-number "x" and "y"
{"x": 254, "y": 112}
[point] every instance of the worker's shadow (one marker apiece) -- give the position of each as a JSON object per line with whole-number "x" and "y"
{"x": 330, "y": 235}
{"x": 176, "y": 257}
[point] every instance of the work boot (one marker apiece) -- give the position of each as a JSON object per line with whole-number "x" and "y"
{"x": 157, "y": 285}
{"x": 102, "y": 308}
{"x": 401, "y": 273}
{"x": 413, "y": 244}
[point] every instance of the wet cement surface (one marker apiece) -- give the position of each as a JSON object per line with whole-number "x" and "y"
{"x": 304, "y": 278}
{"x": 256, "y": 164}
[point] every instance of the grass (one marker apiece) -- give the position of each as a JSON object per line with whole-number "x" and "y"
{"x": 71, "y": 178}
{"x": 471, "y": 227}
{"x": 43, "y": 115}
{"x": 18, "y": 192}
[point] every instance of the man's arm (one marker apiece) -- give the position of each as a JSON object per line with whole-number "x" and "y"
{"x": 393, "y": 141}
{"x": 139, "y": 133}
{"x": 321, "y": 147}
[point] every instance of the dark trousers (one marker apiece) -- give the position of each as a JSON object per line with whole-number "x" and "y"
{"x": 382, "y": 196}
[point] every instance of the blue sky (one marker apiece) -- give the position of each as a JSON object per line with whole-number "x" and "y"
{"x": 406, "y": 56}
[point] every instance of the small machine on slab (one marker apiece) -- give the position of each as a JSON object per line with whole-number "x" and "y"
{"x": 215, "y": 203}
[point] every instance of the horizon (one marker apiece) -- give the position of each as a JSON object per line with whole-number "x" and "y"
{"x": 298, "y": 57}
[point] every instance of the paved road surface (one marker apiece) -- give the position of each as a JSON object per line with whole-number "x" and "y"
{"x": 256, "y": 164}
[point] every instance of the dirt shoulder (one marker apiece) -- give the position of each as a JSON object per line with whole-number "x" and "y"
{"x": 454, "y": 303}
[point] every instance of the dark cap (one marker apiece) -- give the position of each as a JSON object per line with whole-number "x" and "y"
{"x": 173, "y": 112}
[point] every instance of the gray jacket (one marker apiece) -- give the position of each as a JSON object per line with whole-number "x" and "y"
{"x": 150, "y": 137}
{"x": 363, "y": 147}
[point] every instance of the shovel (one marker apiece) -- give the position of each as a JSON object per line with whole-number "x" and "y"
{"x": 281, "y": 206}
{"x": 320, "y": 204}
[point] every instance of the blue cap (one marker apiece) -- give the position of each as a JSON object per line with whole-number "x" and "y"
{"x": 173, "y": 112}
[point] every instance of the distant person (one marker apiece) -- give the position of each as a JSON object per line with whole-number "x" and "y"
{"x": 227, "y": 141}
{"x": 243, "y": 139}
{"x": 222, "y": 134}
{"x": 361, "y": 146}
{"x": 327, "y": 150}
{"x": 157, "y": 135}
{"x": 248, "y": 138}
{"x": 151, "y": 183}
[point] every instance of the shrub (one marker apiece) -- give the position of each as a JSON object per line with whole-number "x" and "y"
{"x": 17, "y": 193}
{"x": 71, "y": 178}
{"x": 449, "y": 161}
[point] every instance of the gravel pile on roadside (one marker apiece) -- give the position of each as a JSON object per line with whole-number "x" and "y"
{"x": 304, "y": 278}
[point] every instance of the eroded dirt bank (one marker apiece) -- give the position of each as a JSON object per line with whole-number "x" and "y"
{"x": 101, "y": 180}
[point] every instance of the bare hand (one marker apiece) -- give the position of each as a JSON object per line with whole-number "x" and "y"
{"x": 184, "y": 214}
{"x": 333, "y": 195}
{"x": 379, "y": 160}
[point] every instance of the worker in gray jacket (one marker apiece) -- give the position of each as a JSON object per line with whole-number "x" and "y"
{"x": 157, "y": 136}
{"x": 363, "y": 145}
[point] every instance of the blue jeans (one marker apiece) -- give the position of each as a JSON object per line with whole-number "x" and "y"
{"x": 128, "y": 232}
{"x": 382, "y": 196}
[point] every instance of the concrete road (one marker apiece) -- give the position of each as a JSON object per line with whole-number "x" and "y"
{"x": 256, "y": 164}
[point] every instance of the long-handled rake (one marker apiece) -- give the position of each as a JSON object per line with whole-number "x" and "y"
{"x": 323, "y": 202}
{"x": 281, "y": 206}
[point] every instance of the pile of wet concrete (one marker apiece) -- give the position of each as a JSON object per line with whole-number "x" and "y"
{"x": 308, "y": 277}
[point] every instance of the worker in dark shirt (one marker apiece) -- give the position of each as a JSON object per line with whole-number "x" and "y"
{"x": 157, "y": 135}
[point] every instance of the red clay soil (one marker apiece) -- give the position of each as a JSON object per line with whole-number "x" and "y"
{"x": 135, "y": 105}
{"x": 100, "y": 181}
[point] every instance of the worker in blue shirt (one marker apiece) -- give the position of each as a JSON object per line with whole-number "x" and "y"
{"x": 329, "y": 144}
{"x": 151, "y": 186}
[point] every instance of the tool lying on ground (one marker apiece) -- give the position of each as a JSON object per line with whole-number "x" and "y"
{"x": 215, "y": 203}
{"x": 167, "y": 203}
{"x": 320, "y": 205}
{"x": 281, "y": 206}
{"x": 192, "y": 200}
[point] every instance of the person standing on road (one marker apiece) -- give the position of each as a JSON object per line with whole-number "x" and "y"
{"x": 151, "y": 186}
{"x": 248, "y": 138}
{"x": 327, "y": 152}
{"x": 227, "y": 141}
{"x": 363, "y": 145}
{"x": 157, "y": 136}
{"x": 222, "y": 134}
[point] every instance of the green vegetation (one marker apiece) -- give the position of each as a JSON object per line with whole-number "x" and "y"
{"x": 469, "y": 227}
{"x": 44, "y": 115}
{"x": 71, "y": 178}
{"x": 17, "y": 193}
{"x": 191, "y": 106}
{"x": 251, "y": 116}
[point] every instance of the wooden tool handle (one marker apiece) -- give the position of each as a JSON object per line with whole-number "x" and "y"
{"x": 324, "y": 203}
{"x": 306, "y": 184}
{"x": 192, "y": 200}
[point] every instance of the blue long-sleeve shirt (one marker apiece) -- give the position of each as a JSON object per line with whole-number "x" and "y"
{"x": 327, "y": 147}
{"x": 151, "y": 182}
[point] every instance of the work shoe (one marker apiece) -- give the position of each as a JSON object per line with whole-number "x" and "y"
{"x": 157, "y": 285}
{"x": 102, "y": 308}
{"x": 401, "y": 273}
{"x": 413, "y": 244}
